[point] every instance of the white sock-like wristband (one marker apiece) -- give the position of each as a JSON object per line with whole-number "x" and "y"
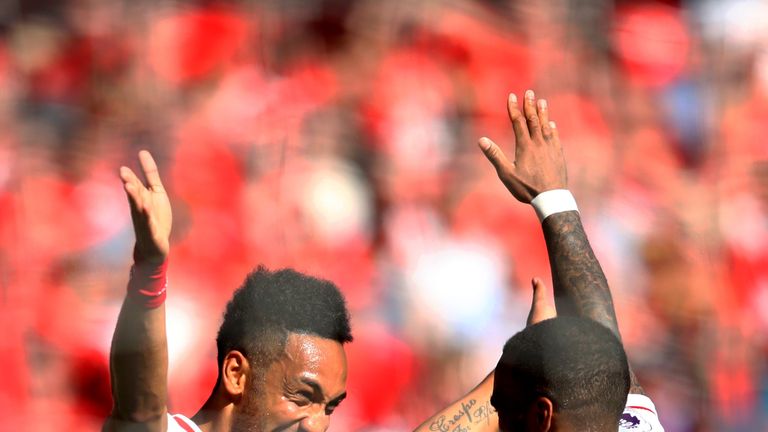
{"x": 553, "y": 201}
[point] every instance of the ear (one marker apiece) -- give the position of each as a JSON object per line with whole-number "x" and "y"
{"x": 542, "y": 412}
{"x": 234, "y": 373}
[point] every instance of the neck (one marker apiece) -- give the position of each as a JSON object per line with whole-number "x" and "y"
{"x": 562, "y": 426}
{"x": 215, "y": 414}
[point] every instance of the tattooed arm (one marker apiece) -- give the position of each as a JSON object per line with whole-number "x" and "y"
{"x": 579, "y": 284}
{"x": 473, "y": 412}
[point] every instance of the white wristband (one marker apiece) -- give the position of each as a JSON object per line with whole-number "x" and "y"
{"x": 553, "y": 201}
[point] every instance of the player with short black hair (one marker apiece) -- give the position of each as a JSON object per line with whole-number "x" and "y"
{"x": 576, "y": 364}
{"x": 271, "y": 304}
{"x": 521, "y": 387}
{"x": 281, "y": 359}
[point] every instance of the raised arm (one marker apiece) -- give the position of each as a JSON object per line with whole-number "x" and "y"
{"x": 139, "y": 354}
{"x": 538, "y": 166}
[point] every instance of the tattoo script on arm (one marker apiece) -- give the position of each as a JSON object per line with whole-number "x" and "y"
{"x": 470, "y": 415}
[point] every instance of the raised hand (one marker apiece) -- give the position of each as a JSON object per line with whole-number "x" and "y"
{"x": 138, "y": 360}
{"x": 542, "y": 307}
{"x": 150, "y": 211}
{"x": 538, "y": 165}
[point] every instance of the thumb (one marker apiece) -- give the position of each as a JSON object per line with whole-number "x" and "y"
{"x": 494, "y": 154}
{"x": 542, "y": 307}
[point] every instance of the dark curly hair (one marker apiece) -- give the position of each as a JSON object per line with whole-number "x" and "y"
{"x": 575, "y": 362}
{"x": 272, "y": 304}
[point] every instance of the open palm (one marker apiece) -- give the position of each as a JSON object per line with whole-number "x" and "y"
{"x": 538, "y": 164}
{"x": 150, "y": 210}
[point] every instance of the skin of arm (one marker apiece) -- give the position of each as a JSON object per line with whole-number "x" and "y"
{"x": 138, "y": 368}
{"x": 579, "y": 283}
{"x": 473, "y": 412}
{"x": 580, "y": 286}
{"x": 139, "y": 352}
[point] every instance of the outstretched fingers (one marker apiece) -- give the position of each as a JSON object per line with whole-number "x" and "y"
{"x": 543, "y": 112}
{"x": 149, "y": 167}
{"x": 519, "y": 124}
{"x": 531, "y": 115}
{"x": 131, "y": 184}
{"x": 554, "y": 134}
{"x": 150, "y": 210}
{"x": 537, "y": 164}
{"x": 127, "y": 175}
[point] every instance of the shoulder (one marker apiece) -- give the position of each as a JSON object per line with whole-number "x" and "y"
{"x": 180, "y": 423}
{"x": 640, "y": 415}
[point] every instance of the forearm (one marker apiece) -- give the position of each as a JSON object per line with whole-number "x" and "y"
{"x": 579, "y": 284}
{"x": 139, "y": 366}
{"x": 578, "y": 281}
{"x": 138, "y": 359}
{"x": 473, "y": 412}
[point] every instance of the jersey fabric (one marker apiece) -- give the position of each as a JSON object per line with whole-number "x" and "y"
{"x": 639, "y": 415}
{"x": 179, "y": 423}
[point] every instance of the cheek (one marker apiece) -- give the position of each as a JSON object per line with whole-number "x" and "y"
{"x": 249, "y": 415}
{"x": 252, "y": 413}
{"x": 280, "y": 413}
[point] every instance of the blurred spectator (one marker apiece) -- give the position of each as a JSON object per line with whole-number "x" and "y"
{"x": 339, "y": 138}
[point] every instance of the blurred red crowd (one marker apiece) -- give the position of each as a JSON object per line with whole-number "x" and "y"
{"x": 338, "y": 138}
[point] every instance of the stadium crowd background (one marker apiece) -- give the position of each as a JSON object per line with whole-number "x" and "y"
{"x": 339, "y": 137}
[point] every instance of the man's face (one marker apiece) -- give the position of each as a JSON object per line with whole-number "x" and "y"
{"x": 299, "y": 391}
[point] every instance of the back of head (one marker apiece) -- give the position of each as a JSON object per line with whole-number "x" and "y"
{"x": 575, "y": 362}
{"x": 271, "y": 305}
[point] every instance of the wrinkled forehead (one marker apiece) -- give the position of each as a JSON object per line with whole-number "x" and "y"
{"x": 317, "y": 358}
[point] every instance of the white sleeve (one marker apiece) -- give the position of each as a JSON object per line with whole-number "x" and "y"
{"x": 640, "y": 415}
